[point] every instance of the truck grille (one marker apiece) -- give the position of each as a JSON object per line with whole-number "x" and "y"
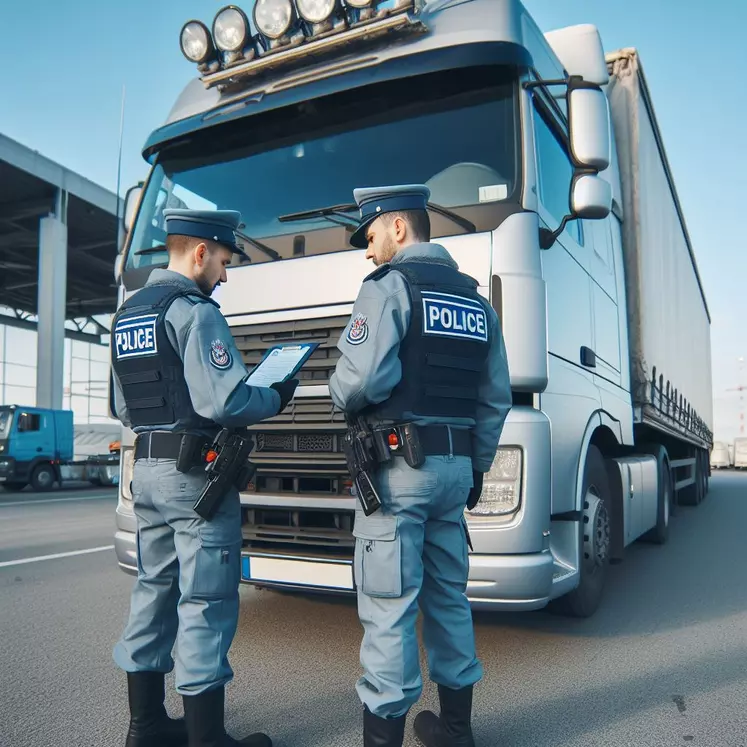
{"x": 326, "y": 533}
{"x": 299, "y": 450}
{"x": 253, "y": 340}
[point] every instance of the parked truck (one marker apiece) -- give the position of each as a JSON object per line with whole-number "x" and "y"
{"x": 41, "y": 447}
{"x": 740, "y": 453}
{"x": 549, "y": 184}
{"x": 720, "y": 456}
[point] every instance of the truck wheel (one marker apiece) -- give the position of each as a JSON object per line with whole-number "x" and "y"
{"x": 595, "y": 538}
{"x": 15, "y": 485}
{"x": 43, "y": 478}
{"x": 660, "y": 533}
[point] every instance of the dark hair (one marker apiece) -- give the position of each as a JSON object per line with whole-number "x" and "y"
{"x": 418, "y": 221}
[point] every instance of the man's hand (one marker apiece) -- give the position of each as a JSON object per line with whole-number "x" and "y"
{"x": 474, "y": 494}
{"x": 286, "y": 390}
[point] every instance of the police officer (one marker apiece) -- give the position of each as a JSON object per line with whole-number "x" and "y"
{"x": 178, "y": 379}
{"x": 422, "y": 347}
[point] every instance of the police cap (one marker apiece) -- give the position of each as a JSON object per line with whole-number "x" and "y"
{"x": 213, "y": 225}
{"x": 375, "y": 201}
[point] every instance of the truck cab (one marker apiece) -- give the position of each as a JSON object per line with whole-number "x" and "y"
{"x": 33, "y": 441}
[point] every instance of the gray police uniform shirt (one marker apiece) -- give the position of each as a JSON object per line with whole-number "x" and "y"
{"x": 218, "y": 393}
{"x": 369, "y": 369}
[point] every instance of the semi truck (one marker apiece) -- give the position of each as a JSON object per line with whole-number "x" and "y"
{"x": 550, "y": 185}
{"x": 40, "y": 447}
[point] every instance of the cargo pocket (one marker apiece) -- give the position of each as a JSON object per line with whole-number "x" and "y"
{"x": 217, "y": 568}
{"x": 378, "y": 555}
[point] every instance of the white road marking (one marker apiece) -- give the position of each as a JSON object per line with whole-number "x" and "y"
{"x": 33, "y": 502}
{"x": 38, "y": 559}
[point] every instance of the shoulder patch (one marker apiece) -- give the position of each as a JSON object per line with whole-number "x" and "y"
{"x": 135, "y": 336}
{"x": 220, "y": 356}
{"x": 378, "y": 273}
{"x": 358, "y": 330}
{"x": 450, "y": 315}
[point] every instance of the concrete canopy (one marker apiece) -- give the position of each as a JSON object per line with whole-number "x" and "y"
{"x": 32, "y": 187}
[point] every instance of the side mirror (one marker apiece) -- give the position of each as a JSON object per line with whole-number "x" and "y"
{"x": 591, "y": 197}
{"x": 132, "y": 200}
{"x": 119, "y": 267}
{"x": 589, "y": 125}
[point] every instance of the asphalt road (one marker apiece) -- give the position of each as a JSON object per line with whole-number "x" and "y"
{"x": 664, "y": 662}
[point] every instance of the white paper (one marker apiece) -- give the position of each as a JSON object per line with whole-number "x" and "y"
{"x": 277, "y": 365}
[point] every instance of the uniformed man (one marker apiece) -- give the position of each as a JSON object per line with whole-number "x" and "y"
{"x": 422, "y": 347}
{"x": 177, "y": 374}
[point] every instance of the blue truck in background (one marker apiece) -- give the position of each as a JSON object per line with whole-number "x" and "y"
{"x": 41, "y": 447}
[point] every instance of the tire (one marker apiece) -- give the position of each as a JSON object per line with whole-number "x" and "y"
{"x": 43, "y": 478}
{"x": 660, "y": 533}
{"x": 595, "y": 538}
{"x": 15, "y": 486}
{"x": 692, "y": 495}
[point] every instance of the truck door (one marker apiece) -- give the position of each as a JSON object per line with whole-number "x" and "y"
{"x": 566, "y": 265}
{"x": 30, "y": 437}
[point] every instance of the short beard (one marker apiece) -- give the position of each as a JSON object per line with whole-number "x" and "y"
{"x": 388, "y": 250}
{"x": 204, "y": 287}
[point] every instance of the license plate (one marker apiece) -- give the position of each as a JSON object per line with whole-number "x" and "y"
{"x": 292, "y": 572}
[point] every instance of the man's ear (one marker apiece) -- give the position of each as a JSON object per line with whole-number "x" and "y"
{"x": 199, "y": 253}
{"x": 400, "y": 229}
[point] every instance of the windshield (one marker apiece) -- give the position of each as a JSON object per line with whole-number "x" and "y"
{"x": 6, "y": 419}
{"x": 459, "y": 137}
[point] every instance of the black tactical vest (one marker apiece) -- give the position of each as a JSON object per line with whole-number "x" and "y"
{"x": 446, "y": 346}
{"x": 149, "y": 370}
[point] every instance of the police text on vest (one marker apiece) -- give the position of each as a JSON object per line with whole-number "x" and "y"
{"x": 136, "y": 336}
{"x": 449, "y": 315}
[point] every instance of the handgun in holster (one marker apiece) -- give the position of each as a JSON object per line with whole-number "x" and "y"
{"x": 360, "y": 455}
{"x": 227, "y": 467}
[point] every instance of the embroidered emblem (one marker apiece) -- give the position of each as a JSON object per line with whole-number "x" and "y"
{"x": 358, "y": 331}
{"x": 219, "y": 355}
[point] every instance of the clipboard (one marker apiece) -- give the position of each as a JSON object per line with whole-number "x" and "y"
{"x": 263, "y": 374}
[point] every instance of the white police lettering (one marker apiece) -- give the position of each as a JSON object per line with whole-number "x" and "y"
{"x": 358, "y": 331}
{"x": 135, "y": 336}
{"x": 220, "y": 357}
{"x": 448, "y": 315}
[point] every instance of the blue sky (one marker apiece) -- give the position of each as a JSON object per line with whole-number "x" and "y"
{"x": 66, "y": 64}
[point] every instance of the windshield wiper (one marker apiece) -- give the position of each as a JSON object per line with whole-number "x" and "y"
{"x": 331, "y": 212}
{"x": 341, "y": 210}
{"x": 271, "y": 253}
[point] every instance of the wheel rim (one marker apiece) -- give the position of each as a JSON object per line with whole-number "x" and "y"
{"x": 596, "y": 533}
{"x": 44, "y": 478}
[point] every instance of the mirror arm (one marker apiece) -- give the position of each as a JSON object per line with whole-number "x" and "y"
{"x": 548, "y": 237}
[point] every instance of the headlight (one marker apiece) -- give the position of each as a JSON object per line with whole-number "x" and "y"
{"x": 359, "y": 3}
{"x": 316, "y": 11}
{"x": 231, "y": 29}
{"x": 196, "y": 43}
{"x": 501, "y": 490}
{"x": 128, "y": 466}
{"x": 273, "y": 17}
{"x": 4, "y": 463}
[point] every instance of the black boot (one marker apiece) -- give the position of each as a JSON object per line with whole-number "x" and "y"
{"x": 204, "y": 716}
{"x": 452, "y": 728}
{"x": 382, "y": 732}
{"x": 149, "y": 724}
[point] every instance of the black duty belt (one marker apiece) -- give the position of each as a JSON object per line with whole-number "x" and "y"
{"x": 434, "y": 440}
{"x": 161, "y": 445}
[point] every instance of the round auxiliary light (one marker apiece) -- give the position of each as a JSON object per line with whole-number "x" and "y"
{"x": 316, "y": 11}
{"x": 231, "y": 29}
{"x": 195, "y": 41}
{"x": 359, "y": 3}
{"x": 273, "y": 18}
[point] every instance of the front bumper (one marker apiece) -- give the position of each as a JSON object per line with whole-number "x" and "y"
{"x": 7, "y": 468}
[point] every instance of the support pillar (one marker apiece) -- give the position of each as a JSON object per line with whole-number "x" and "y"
{"x": 51, "y": 305}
